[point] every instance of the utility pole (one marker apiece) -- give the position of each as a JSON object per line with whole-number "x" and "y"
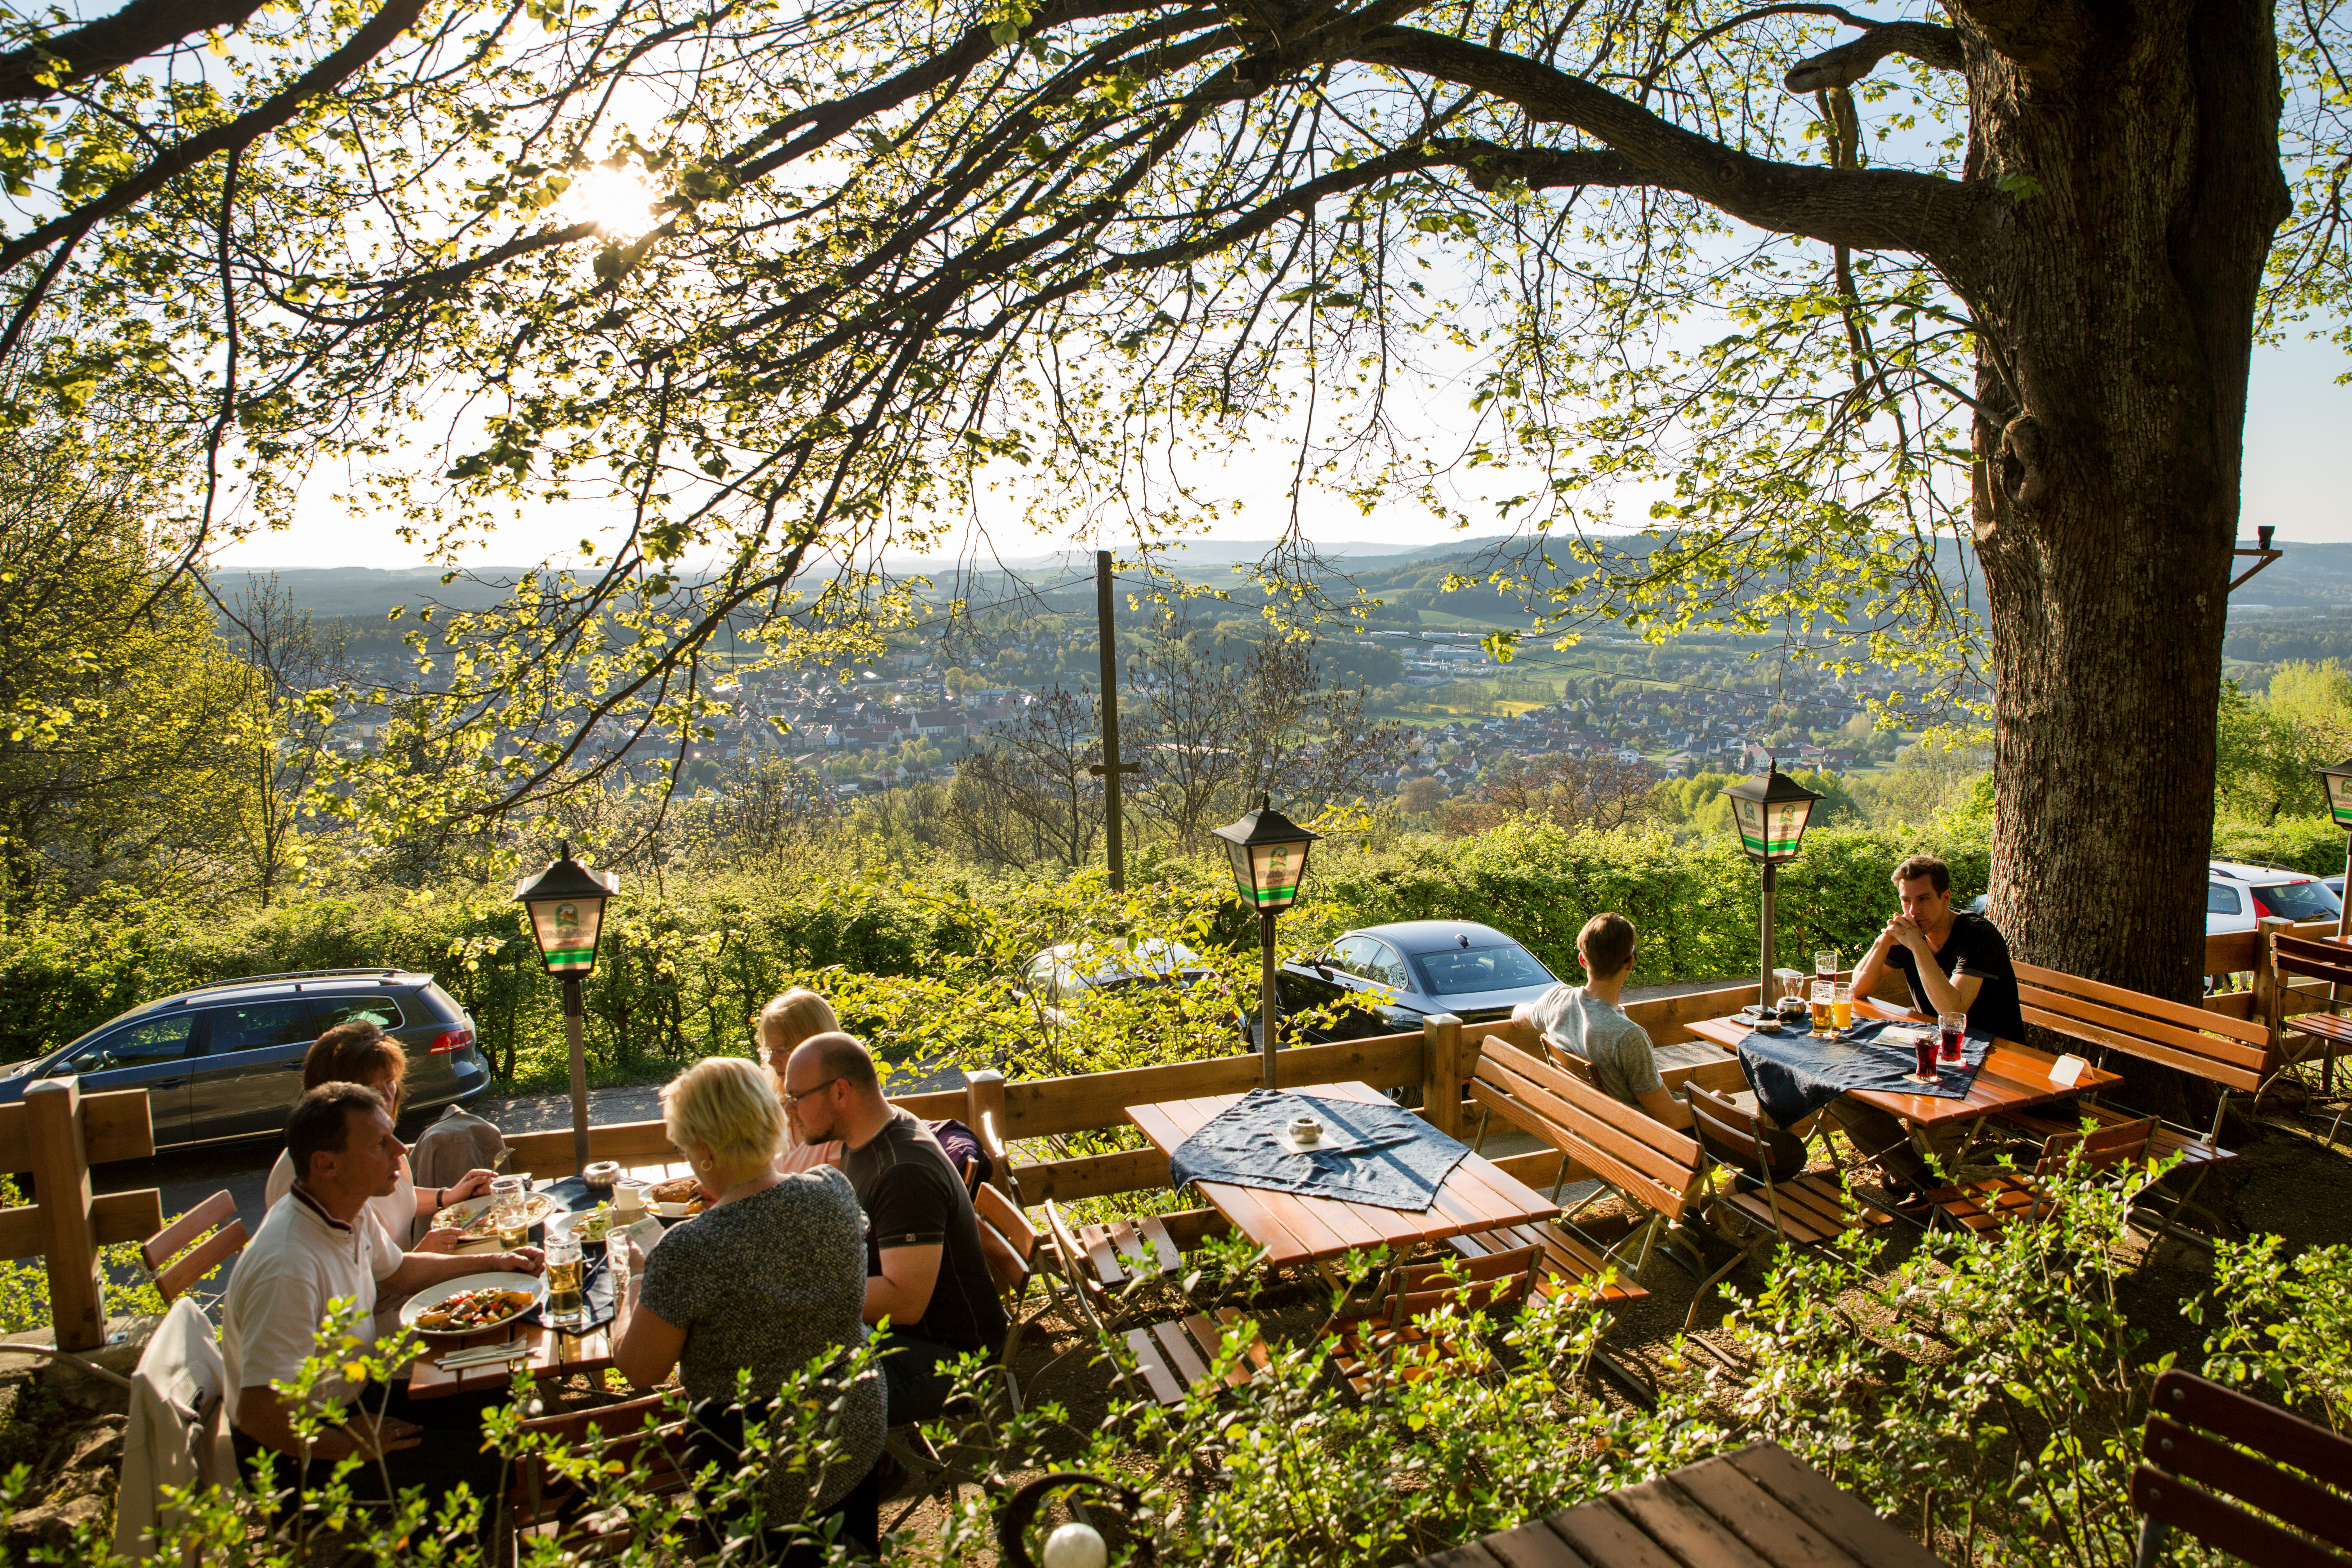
{"x": 1110, "y": 768}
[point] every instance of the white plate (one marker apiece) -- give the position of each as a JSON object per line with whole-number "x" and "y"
{"x": 460, "y": 1216}
{"x": 424, "y": 1300}
{"x": 676, "y": 1211}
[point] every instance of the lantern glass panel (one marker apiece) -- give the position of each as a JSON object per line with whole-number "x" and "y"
{"x": 1770, "y": 830}
{"x": 2339, "y": 799}
{"x": 1275, "y": 871}
{"x": 566, "y": 931}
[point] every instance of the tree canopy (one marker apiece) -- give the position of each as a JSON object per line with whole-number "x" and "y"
{"x": 1756, "y": 262}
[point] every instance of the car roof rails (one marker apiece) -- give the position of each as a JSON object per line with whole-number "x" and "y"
{"x": 297, "y": 974}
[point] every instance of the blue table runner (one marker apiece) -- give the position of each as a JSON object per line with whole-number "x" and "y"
{"x": 1379, "y": 1154}
{"x": 1795, "y": 1075}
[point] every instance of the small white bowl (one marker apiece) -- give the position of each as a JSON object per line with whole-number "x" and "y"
{"x": 601, "y": 1175}
{"x": 1306, "y": 1129}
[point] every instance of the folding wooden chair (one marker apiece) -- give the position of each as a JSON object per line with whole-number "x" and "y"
{"x": 214, "y": 1232}
{"x": 2011, "y": 1198}
{"x": 1108, "y": 1266}
{"x": 1808, "y": 1210}
{"x": 2206, "y": 1445}
{"x": 1389, "y": 1336}
{"x": 542, "y": 1500}
{"x": 1173, "y": 1358}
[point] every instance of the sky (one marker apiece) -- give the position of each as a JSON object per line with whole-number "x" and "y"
{"x": 2298, "y": 478}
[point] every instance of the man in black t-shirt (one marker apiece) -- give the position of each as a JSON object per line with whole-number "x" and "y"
{"x": 1953, "y": 962}
{"x": 925, "y": 1270}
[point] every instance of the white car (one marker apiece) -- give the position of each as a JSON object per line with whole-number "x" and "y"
{"x": 2240, "y": 892}
{"x": 1063, "y": 975}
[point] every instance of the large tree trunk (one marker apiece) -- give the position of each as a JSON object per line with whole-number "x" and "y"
{"x": 2113, "y": 392}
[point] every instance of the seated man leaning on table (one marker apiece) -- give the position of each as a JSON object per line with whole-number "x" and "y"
{"x": 925, "y": 1267}
{"x": 1588, "y": 1022}
{"x": 319, "y": 1247}
{"x": 1953, "y": 962}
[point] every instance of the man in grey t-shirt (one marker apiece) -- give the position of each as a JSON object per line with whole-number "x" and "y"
{"x": 1586, "y": 1023}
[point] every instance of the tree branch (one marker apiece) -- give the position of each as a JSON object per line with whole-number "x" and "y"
{"x": 363, "y": 46}
{"x": 1488, "y": 164}
{"x": 138, "y": 30}
{"x": 1856, "y": 57}
{"x": 1870, "y": 209}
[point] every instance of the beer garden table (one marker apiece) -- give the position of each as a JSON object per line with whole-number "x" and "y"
{"x": 1295, "y": 1228}
{"x": 2013, "y": 1078}
{"x": 553, "y": 1353}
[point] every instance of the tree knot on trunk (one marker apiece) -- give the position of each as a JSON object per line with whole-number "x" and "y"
{"x": 2023, "y": 476}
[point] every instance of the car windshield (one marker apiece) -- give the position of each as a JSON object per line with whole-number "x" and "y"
{"x": 2299, "y": 901}
{"x": 1458, "y": 971}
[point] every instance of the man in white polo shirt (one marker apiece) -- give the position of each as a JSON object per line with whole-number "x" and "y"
{"x": 319, "y": 1247}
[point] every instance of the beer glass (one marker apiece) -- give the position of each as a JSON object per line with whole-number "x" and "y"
{"x": 1841, "y": 1005}
{"x": 1825, "y": 962}
{"x": 510, "y": 1206}
{"x": 1952, "y": 1028}
{"x": 1825, "y": 1006}
{"x": 567, "y": 1304}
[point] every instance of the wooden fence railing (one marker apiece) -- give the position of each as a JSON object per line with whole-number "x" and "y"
{"x": 55, "y": 1135}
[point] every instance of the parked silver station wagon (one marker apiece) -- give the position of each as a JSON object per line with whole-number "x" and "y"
{"x": 224, "y": 1062}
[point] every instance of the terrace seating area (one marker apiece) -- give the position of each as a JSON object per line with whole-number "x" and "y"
{"x": 1556, "y": 1192}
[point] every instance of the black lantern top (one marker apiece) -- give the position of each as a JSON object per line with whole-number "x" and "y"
{"x": 1770, "y": 813}
{"x": 567, "y": 911}
{"x": 2338, "y": 782}
{"x": 1269, "y": 854}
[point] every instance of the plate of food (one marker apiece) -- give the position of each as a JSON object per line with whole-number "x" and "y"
{"x": 675, "y": 1198}
{"x": 591, "y": 1228}
{"x": 473, "y": 1304}
{"x": 473, "y": 1221}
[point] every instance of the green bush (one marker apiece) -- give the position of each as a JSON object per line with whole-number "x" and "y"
{"x": 2310, "y": 844}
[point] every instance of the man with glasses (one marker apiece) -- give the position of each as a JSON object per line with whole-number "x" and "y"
{"x": 924, "y": 1265}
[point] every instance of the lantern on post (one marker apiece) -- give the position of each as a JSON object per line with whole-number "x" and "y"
{"x": 2338, "y": 782}
{"x": 566, "y": 905}
{"x": 1769, "y": 814}
{"x": 1269, "y": 856}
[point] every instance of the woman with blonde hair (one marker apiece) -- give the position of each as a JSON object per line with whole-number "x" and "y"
{"x": 797, "y": 1015}
{"x": 771, "y": 1276}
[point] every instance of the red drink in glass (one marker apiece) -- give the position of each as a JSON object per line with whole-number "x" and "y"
{"x": 1950, "y": 1029}
{"x": 1927, "y": 1052}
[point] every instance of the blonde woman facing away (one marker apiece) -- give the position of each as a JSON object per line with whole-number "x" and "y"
{"x": 798, "y": 1015}
{"x": 770, "y": 1276}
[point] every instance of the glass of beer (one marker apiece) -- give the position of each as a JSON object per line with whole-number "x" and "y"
{"x": 1952, "y": 1028}
{"x": 1825, "y": 963}
{"x": 1825, "y": 1006}
{"x": 1841, "y": 1005}
{"x": 510, "y": 1206}
{"x": 567, "y": 1304}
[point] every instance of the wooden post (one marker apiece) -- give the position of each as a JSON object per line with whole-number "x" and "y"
{"x": 983, "y": 1097}
{"x": 2269, "y": 999}
{"x": 61, "y": 1185}
{"x": 1441, "y": 1072}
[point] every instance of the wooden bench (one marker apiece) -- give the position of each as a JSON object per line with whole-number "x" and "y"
{"x": 2207, "y": 1445}
{"x": 2009, "y": 1197}
{"x": 2236, "y": 1056}
{"x": 1658, "y": 1172}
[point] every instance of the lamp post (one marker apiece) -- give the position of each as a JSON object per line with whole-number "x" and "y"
{"x": 2338, "y": 782}
{"x": 1269, "y": 854}
{"x": 1770, "y": 813}
{"x": 566, "y": 902}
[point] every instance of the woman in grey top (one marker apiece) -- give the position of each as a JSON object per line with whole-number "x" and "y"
{"x": 771, "y": 1277}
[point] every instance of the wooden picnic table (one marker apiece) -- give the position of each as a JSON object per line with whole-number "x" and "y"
{"x": 1760, "y": 1506}
{"x": 553, "y": 1352}
{"x": 1294, "y": 1227}
{"x": 2013, "y": 1078}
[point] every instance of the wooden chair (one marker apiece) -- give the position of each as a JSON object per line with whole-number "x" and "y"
{"x": 2011, "y": 1198}
{"x": 1809, "y": 1210}
{"x": 1658, "y": 1173}
{"x": 1173, "y": 1358}
{"x": 208, "y": 1235}
{"x": 541, "y": 1498}
{"x": 2234, "y": 1055}
{"x": 2204, "y": 1441}
{"x": 1108, "y": 1266}
{"x": 1390, "y": 1336}
{"x": 2322, "y": 1033}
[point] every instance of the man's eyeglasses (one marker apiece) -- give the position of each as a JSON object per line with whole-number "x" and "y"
{"x": 794, "y": 1098}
